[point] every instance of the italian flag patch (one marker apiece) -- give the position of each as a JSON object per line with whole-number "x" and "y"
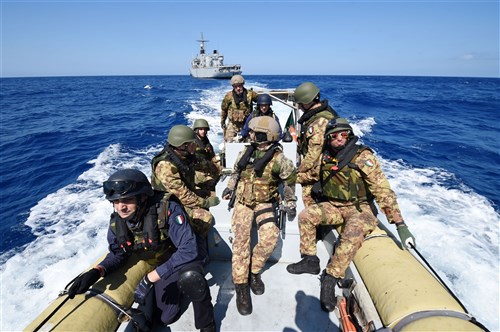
{"x": 179, "y": 219}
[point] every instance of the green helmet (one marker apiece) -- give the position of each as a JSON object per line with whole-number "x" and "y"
{"x": 179, "y": 135}
{"x": 267, "y": 125}
{"x": 201, "y": 123}
{"x": 336, "y": 125}
{"x": 305, "y": 93}
{"x": 237, "y": 79}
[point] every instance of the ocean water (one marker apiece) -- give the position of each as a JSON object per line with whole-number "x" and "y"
{"x": 61, "y": 137}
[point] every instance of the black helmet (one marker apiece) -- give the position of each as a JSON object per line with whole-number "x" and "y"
{"x": 264, "y": 99}
{"x": 337, "y": 125}
{"x": 180, "y": 134}
{"x": 126, "y": 183}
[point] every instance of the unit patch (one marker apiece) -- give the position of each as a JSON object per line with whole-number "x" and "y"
{"x": 369, "y": 163}
{"x": 179, "y": 219}
{"x": 310, "y": 130}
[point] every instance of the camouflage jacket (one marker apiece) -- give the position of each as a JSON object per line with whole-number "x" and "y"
{"x": 373, "y": 180}
{"x": 237, "y": 112}
{"x": 175, "y": 176}
{"x": 311, "y": 140}
{"x": 262, "y": 186}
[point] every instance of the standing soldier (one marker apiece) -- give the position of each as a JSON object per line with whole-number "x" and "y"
{"x": 236, "y": 106}
{"x": 208, "y": 168}
{"x": 173, "y": 171}
{"x": 259, "y": 169}
{"x": 311, "y": 136}
{"x": 350, "y": 178}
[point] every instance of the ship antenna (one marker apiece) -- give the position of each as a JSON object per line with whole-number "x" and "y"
{"x": 202, "y": 45}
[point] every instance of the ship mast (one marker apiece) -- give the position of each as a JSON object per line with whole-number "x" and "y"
{"x": 202, "y": 45}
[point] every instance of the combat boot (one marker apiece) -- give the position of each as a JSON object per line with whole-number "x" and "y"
{"x": 327, "y": 293}
{"x": 243, "y": 299}
{"x": 256, "y": 284}
{"x": 209, "y": 328}
{"x": 308, "y": 264}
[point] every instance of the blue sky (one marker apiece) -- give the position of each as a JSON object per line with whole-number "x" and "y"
{"x": 423, "y": 38}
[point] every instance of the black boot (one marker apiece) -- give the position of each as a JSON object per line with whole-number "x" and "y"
{"x": 256, "y": 284}
{"x": 327, "y": 293}
{"x": 209, "y": 328}
{"x": 243, "y": 299}
{"x": 308, "y": 264}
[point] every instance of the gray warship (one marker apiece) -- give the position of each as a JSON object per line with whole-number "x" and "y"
{"x": 211, "y": 65}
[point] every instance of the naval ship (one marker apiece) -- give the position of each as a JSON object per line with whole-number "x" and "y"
{"x": 211, "y": 65}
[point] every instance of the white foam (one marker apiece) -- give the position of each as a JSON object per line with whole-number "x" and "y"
{"x": 456, "y": 230}
{"x": 71, "y": 226}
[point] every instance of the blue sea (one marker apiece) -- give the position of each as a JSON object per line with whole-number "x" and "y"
{"x": 437, "y": 137}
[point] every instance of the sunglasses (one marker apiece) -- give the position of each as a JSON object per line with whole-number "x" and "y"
{"x": 120, "y": 187}
{"x": 343, "y": 134}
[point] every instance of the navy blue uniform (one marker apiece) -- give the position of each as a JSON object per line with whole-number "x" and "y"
{"x": 246, "y": 129}
{"x": 185, "y": 256}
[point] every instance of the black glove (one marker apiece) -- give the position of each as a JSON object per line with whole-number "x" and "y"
{"x": 83, "y": 282}
{"x": 227, "y": 191}
{"x": 291, "y": 209}
{"x": 317, "y": 191}
{"x": 142, "y": 290}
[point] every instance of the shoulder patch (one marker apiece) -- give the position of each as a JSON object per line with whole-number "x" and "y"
{"x": 310, "y": 130}
{"x": 179, "y": 219}
{"x": 369, "y": 163}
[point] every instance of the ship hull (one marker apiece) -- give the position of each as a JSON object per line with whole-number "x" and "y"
{"x": 213, "y": 72}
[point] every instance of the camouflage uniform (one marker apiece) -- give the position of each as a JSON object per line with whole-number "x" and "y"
{"x": 208, "y": 170}
{"x": 180, "y": 181}
{"x": 354, "y": 220}
{"x": 254, "y": 199}
{"x": 235, "y": 112}
{"x": 311, "y": 140}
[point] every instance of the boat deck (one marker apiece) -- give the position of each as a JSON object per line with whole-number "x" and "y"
{"x": 290, "y": 302}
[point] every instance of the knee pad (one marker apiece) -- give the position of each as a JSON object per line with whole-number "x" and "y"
{"x": 192, "y": 284}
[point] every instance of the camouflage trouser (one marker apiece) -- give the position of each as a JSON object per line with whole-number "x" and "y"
{"x": 355, "y": 226}
{"x": 233, "y": 129}
{"x": 200, "y": 220}
{"x": 306, "y": 195}
{"x": 268, "y": 233}
{"x": 205, "y": 180}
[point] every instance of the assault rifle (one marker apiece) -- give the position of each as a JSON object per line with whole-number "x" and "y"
{"x": 230, "y": 204}
{"x": 281, "y": 218}
{"x": 281, "y": 211}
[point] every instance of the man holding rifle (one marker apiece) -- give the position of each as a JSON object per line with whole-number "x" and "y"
{"x": 253, "y": 189}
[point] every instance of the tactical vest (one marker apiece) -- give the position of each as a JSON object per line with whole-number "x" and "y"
{"x": 186, "y": 173}
{"x": 347, "y": 185}
{"x": 259, "y": 186}
{"x": 151, "y": 241}
{"x": 204, "y": 150}
{"x": 239, "y": 112}
{"x": 301, "y": 139}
